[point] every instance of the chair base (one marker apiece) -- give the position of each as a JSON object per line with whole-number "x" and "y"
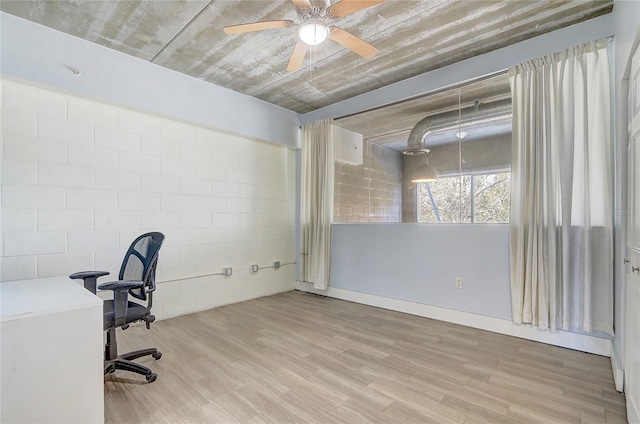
{"x": 118, "y": 364}
{"x": 113, "y": 361}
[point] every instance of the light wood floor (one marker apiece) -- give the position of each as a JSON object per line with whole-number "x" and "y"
{"x": 301, "y": 358}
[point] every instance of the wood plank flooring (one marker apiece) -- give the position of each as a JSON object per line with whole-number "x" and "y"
{"x": 301, "y": 358}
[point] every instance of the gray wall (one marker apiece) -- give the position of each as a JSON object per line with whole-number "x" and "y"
{"x": 419, "y": 263}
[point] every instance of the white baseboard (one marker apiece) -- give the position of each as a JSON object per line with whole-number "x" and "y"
{"x": 618, "y": 372}
{"x": 582, "y": 342}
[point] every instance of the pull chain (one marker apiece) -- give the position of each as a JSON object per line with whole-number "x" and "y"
{"x": 312, "y": 58}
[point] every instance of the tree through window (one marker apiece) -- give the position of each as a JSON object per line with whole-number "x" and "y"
{"x": 471, "y": 198}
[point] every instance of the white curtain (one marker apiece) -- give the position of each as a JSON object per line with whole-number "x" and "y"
{"x": 561, "y": 223}
{"x": 316, "y": 203}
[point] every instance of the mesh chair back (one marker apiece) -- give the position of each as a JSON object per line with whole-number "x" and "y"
{"x": 140, "y": 262}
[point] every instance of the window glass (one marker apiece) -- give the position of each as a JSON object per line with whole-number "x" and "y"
{"x": 465, "y": 198}
{"x": 492, "y": 193}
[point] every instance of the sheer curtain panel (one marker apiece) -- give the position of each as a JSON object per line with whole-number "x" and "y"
{"x": 562, "y": 180}
{"x": 316, "y": 203}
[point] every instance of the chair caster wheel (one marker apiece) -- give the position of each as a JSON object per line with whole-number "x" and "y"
{"x": 152, "y": 377}
{"x": 157, "y": 355}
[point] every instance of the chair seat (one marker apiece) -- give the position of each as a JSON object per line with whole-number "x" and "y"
{"x": 135, "y": 312}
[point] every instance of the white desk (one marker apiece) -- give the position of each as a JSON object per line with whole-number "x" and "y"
{"x": 51, "y": 352}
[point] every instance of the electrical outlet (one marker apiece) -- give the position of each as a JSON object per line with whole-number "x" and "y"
{"x": 276, "y": 265}
{"x": 228, "y": 272}
{"x": 254, "y": 268}
{"x": 458, "y": 282}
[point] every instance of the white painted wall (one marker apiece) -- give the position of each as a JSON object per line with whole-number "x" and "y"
{"x": 81, "y": 179}
{"x": 44, "y": 56}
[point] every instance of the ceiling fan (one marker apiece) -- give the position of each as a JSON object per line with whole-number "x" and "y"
{"x": 315, "y": 26}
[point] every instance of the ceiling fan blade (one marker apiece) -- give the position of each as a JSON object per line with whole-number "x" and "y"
{"x": 256, "y": 26}
{"x": 297, "y": 57}
{"x": 302, "y": 4}
{"x": 353, "y": 43}
{"x": 347, "y": 7}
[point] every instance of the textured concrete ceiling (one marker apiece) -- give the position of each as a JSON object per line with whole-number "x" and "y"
{"x": 414, "y": 36}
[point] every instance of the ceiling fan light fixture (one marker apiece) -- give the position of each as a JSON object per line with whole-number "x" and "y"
{"x": 313, "y": 32}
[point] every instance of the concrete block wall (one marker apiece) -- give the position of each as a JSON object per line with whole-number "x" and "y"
{"x": 369, "y": 192}
{"x": 81, "y": 179}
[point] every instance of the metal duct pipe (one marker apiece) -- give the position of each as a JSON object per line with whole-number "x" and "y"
{"x": 481, "y": 112}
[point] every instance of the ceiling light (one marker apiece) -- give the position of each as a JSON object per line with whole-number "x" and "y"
{"x": 462, "y": 134}
{"x": 313, "y": 33}
{"x": 424, "y": 172}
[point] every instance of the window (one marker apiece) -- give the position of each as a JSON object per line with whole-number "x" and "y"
{"x": 461, "y": 136}
{"x": 472, "y": 198}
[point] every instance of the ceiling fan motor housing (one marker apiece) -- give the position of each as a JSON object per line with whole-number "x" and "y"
{"x": 313, "y": 13}
{"x": 320, "y": 4}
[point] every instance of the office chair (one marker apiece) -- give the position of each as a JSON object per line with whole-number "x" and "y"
{"x": 137, "y": 278}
